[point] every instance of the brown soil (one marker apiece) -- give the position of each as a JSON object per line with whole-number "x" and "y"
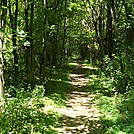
{"x": 80, "y": 115}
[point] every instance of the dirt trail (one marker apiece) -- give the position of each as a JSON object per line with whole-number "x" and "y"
{"x": 80, "y": 115}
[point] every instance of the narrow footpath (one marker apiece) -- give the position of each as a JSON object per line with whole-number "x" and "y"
{"x": 80, "y": 115}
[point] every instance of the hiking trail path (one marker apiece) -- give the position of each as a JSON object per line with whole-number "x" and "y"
{"x": 80, "y": 115}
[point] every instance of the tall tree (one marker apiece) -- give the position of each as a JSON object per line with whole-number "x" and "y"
{"x": 29, "y": 17}
{"x": 3, "y": 12}
{"x": 13, "y": 22}
{"x": 110, "y": 41}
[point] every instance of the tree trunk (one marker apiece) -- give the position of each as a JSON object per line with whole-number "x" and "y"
{"x": 100, "y": 40}
{"x": 1, "y": 65}
{"x": 29, "y": 54}
{"x": 64, "y": 36}
{"x": 13, "y": 20}
{"x": 42, "y": 64}
{"x": 110, "y": 42}
{"x": 3, "y": 13}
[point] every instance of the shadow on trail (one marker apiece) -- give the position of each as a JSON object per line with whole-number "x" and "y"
{"x": 80, "y": 115}
{"x": 81, "y": 125}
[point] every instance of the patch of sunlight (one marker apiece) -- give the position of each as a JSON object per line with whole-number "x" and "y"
{"x": 75, "y": 64}
{"x": 56, "y": 129}
{"x": 121, "y": 132}
{"x": 35, "y": 133}
{"x": 49, "y": 108}
{"x": 93, "y": 76}
{"x": 76, "y": 75}
{"x": 88, "y": 66}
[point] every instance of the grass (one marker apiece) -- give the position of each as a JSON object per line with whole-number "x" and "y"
{"x": 27, "y": 116}
{"x": 33, "y": 113}
{"x": 116, "y": 110}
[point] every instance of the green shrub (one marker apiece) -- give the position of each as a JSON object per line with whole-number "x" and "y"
{"x": 120, "y": 71}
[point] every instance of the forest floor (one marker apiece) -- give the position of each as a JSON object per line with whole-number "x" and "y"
{"x": 78, "y": 100}
{"x": 80, "y": 115}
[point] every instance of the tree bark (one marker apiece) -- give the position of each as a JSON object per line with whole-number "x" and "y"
{"x": 42, "y": 64}
{"x": 64, "y": 36}
{"x": 13, "y": 21}
{"x": 29, "y": 54}
{"x": 1, "y": 65}
{"x": 110, "y": 42}
{"x": 3, "y": 13}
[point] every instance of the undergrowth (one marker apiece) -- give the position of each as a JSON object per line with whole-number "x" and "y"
{"x": 35, "y": 111}
{"x": 116, "y": 110}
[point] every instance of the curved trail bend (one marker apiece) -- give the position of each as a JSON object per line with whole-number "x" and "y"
{"x": 80, "y": 115}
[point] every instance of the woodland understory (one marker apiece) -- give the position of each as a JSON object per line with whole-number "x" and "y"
{"x": 42, "y": 42}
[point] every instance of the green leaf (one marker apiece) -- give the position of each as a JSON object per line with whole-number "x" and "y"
{"x": 27, "y": 43}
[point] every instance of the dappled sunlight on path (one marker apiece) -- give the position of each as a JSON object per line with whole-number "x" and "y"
{"x": 80, "y": 115}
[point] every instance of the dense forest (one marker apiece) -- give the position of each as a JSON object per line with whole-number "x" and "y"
{"x": 38, "y": 38}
